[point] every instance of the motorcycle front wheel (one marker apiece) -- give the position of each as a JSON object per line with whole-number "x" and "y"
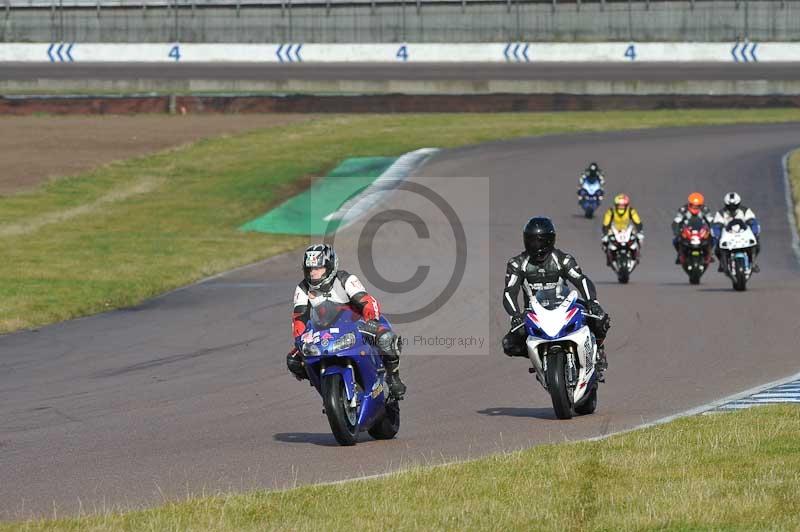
{"x": 342, "y": 418}
{"x": 623, "y": 275}
{"x": 557, "y": 384}
{"x": 740, "y": 277}
{"x": 695, "y": 273}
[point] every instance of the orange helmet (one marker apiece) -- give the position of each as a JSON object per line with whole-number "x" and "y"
{"x": 696, "y": 202}
{"x": 621, "y": 201}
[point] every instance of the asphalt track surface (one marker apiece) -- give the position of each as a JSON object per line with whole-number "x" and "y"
{"x": 189, "y": 392}
{"x": 395, "y": 71}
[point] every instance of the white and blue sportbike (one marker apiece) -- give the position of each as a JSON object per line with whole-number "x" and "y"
{"x": 563, "y": 350}
{"x": 590, "y": 194}
{"x": 737, "y": 245}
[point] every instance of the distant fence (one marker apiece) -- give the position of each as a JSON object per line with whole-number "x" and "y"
{"x": 383, "y": 21}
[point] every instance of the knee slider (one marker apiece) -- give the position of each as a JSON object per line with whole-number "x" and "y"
{"x": 390, "y": 344}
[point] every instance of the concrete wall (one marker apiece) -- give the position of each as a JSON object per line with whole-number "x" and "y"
{"x": 589, "y": 20}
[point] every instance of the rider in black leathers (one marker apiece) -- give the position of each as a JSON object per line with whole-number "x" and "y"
{"x": 542, "y": 266}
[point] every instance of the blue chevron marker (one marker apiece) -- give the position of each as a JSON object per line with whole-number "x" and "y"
{"x": 278, "y": 53}
{"x": 784, "y": 393}
{"x": 297, "y": 53}
{"x": 69, "y": 52}
{"x": 743, "y": 52}
{"x": 516, "y": 49}
{"x": 505, "y": 51}
{"x": 288, "y": 53}
{"x": 58, "y": 52}
{"x": 753, "y": 52}
{"x": 525, "y": 53}
{"x": 50, "y": 53}
{"x": 733, "y": 52}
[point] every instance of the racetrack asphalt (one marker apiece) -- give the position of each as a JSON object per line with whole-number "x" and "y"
{"x": 395, "y": 71}
{"x": 188, "y": 393}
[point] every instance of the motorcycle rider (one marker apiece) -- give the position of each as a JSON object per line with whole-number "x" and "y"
{"x": 695, "y": 207}
{"x": 542, "y": 266}
{"x": 621, "y": 215}
{"x": 734, "y": 210}
{"x": 592, "y": 175}
{"x": 324, "y": 281}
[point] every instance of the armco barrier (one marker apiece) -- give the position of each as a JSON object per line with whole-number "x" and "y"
{"x": 509, "y": 52}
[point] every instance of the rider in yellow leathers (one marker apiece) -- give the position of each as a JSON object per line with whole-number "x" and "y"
{"x": 621, "y": 215}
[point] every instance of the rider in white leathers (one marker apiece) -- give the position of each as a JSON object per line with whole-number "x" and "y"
{"x": 734, "y": 210}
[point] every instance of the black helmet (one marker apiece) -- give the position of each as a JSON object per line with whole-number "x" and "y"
{"x": 539, "y": 237}
{"x": 320, "y": 256}
{"x": 593, "y": 170}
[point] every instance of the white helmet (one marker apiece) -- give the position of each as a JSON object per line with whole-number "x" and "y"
{"x": 732, "y": 201}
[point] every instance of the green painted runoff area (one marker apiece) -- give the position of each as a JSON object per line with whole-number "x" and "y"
{"x": 305, "y": 213}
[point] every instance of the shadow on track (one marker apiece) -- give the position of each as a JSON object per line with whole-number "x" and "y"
{"x": 323, "y": 439}
{"x": 539, "y": 413}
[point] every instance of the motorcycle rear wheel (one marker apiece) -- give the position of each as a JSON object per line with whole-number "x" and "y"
{"x": 557, "y": 384}
{"x": 589, "y": 213}
{"x": 389, "y": 424}
{"x": 623, "y": 276}
{"x": 340, "y": 415}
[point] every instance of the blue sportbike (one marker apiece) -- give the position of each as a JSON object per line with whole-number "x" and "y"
{"x": 590, "y": 194}
{"x": 347, "y": 370}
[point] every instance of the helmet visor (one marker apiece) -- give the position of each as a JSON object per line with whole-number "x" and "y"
{"x": 539, "y": 245}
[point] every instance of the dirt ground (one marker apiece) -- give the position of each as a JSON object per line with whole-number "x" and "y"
{"x": 35, "y": 149}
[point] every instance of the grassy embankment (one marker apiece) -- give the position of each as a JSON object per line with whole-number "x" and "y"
{"x": 130, "y": 230}
{"x": 736, "y": 471}
{"x": 794, "y": 180}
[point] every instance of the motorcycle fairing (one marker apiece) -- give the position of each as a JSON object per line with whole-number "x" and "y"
{"x": 361, "y": 366}
{"x": 553, "y": 327}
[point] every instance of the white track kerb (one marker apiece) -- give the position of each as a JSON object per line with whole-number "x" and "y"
{"x": 353, "y": 209}
{"x": 503, "y": 52}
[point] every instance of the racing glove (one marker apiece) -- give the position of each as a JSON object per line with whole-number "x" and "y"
{"x": 516, "y": 321}
{"x": 595, "y": 309}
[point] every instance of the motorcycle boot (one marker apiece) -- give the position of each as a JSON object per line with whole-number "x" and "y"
{"x": 397, "y": 388}
{"x": 294, "y": 362}
{"x": 602, "y": 361}
{"x": 390, "y": 346}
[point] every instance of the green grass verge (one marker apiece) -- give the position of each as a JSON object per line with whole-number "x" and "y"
{"x": 738, "y": 471}
{"x": 794, "y": 181}
{"x": 134, "y": 229}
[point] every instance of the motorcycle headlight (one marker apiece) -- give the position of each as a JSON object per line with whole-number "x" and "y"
{"x": 343, "y": 342}
{"x": 310, "y": 350}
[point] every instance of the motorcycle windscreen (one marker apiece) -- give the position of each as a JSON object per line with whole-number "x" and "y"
{"x": 552, "y": 298}
{"x": 326, "y": 314}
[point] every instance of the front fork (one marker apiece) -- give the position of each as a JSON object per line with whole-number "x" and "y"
{"x": 571, "y": 366}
